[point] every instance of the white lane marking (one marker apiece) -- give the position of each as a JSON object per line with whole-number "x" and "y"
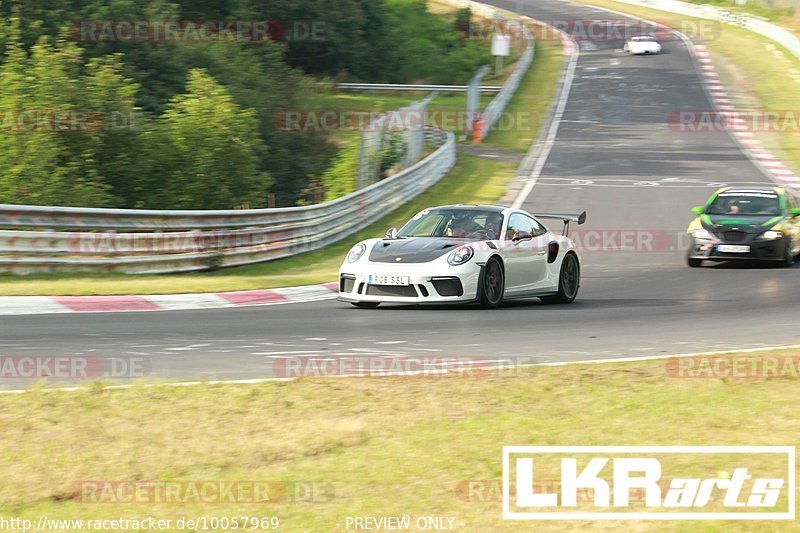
{"x": 316, "y": 339}
{"x": 551, "y": 134}
{"x": 391, "y": 342}
{"x": 767, "y": 348}
{"x": 187, "y": 348}
{"x": 287, "y": 352}
{"x": 30, "y": 305}
{"x": 306, "y": 293}
{"x": 175, "y": 302}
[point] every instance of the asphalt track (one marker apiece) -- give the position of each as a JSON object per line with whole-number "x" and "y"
{"x": 616, "y": 157}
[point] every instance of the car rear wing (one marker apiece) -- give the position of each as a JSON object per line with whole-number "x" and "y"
{"x": 566, "y": 218}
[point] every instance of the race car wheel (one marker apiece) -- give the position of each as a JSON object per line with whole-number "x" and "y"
{"x": 788, "y": 258}
{"x": 493, "y": 284}
{"x": 694, "y": 263}
{"x": 569, "y": 280}
{"x": 366, "y": 305}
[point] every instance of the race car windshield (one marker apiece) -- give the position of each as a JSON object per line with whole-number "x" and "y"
{"x": 473, "y": 224}
{"x": 745, "y": 204}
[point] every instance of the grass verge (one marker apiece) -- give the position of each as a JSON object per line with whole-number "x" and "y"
{"x": 386, "y": 446}
{"x": 473, "y": 180}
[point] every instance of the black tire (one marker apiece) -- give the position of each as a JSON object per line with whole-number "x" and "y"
{"x": 493, "y": 284}
{"x": 788, "y": 258}
{"x": 569, "y": 281}
{"x": 365, "y": 305}
{"x": 694, "y": 263}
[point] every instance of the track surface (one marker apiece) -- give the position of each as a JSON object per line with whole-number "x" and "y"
{"x": 615, "y": 157}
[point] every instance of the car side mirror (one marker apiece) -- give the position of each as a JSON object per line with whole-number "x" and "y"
{"x": 522, "y": 236}
{"x": 795, "y": 211}
{"x": 697, "y": 210}
{"x": 391, "y": 233}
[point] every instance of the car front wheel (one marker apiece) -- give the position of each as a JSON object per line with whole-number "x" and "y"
{"x": 788, "y": 258}
{"x": 493, "y": 284}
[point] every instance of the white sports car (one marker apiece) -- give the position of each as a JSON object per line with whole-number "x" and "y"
{"x": 642, "y": 45}
{"x": 464, "y": 253}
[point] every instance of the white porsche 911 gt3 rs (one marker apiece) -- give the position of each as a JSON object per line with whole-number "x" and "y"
{"x": 642, "y": 45}
{"x": 464, "y": 253}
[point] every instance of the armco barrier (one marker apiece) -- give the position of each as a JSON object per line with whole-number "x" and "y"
{"x": 41, "y": 239}
{"x": 59, "y": 239}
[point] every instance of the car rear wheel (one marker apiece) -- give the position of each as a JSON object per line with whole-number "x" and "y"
{"x": 493, "y": 284}
{"x": 569, "y": 281}
{"x": 366, "y": 305}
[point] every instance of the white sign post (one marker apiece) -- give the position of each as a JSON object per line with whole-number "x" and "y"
{"x": 501, "y": 47}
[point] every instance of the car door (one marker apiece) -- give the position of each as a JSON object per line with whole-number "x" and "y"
{"x": 525, "y": 259}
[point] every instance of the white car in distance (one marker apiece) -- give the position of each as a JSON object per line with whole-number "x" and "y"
{"x": 642, "y": 45}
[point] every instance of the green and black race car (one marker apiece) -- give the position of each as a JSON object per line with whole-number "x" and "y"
{"x": 755, "y": 223}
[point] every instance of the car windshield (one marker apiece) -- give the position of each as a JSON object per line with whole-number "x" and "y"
{"x": 745, "y": 203}
{"x": 457, "y": 223}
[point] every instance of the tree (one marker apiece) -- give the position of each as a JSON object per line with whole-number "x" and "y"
{"x": 212, "y": 149}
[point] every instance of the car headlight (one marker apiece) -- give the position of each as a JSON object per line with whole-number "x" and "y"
{"x": 702, "y": 234}
{"x": 356, "y": 252}
{"x": 459, "y": 256}
{"x": 770, "y": 235}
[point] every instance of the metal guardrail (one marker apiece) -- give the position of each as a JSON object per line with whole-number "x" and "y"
{"x": 43, "y": 238}
{"x": 426, "y": 88}
{"x": 142, "y": 241}
{"x": 497, "y": 106}
{"x": 775, "y": 33}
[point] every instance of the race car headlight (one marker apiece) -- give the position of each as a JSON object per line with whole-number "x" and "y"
{"x": 770, "y": 235}
{"x": 702, "y": 234}
{"x": 356, "y": 252}
{"x": 459, "y": 256}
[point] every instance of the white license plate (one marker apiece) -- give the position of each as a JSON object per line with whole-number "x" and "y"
{"x": 377, "y": 279}
{"x": 733, "y": 248}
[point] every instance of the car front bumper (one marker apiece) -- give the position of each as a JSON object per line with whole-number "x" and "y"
{"x": 436, "y": 283}
{"x": 760, "y": 250}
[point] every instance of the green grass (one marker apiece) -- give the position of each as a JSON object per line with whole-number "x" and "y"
{"x": 782, "y": 12}
{"x": 385, "y": 446}
{"x": 760, "y": 75}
